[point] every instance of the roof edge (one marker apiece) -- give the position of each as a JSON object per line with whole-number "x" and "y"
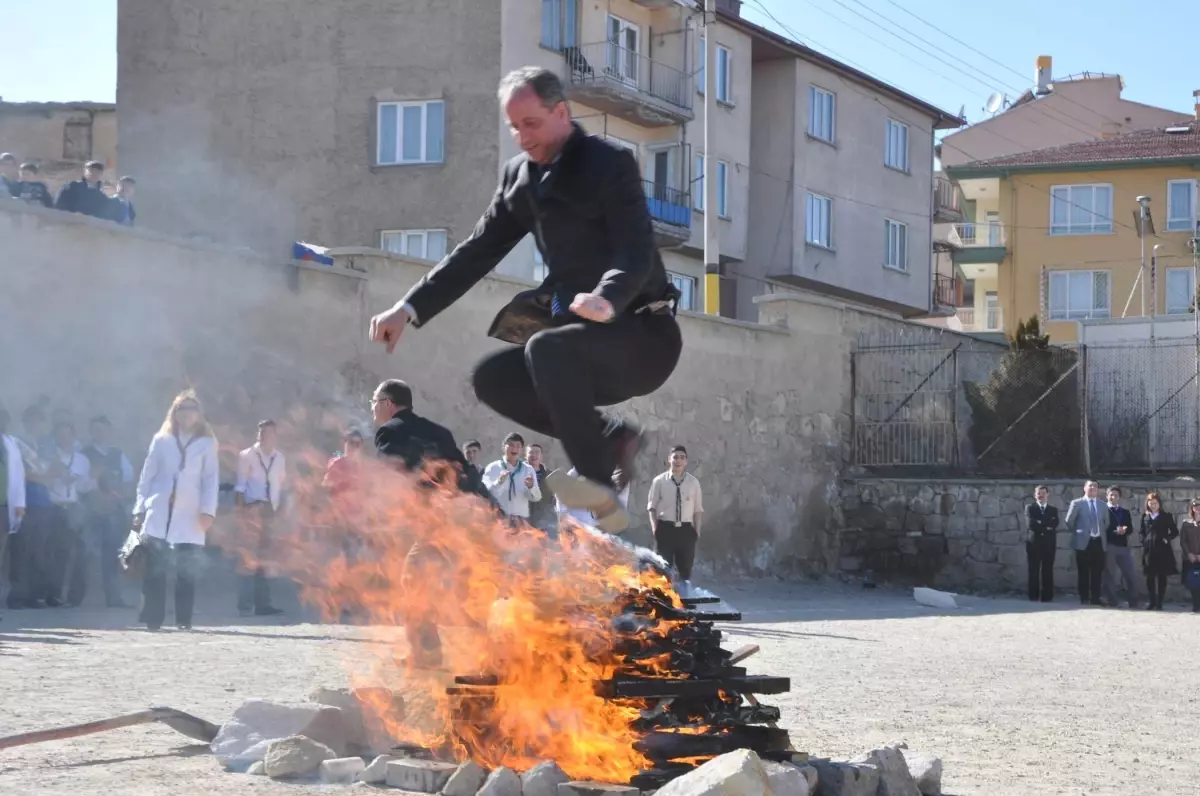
{"x": 943, "y": 120}
{"x": 966, "y": 172}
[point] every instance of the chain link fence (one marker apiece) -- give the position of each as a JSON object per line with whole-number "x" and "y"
{"x": 1110, "y": 408}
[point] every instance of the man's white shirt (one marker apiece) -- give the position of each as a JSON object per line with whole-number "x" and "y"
{"x": 511, "y": 493}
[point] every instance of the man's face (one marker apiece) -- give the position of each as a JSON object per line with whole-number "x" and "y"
{"x": 101, "y": 434}
{"x": 534, "y": 456}
{"x": 538, "y": 130}
{"x": 93, "y": 175}
{"x": 28, "y": 176}
{"x": 512, "y": 450}
{"x": 1041, "y": 495}
{"x": 472, "y": 453}
{"x": 1091, "y": 489}
{"x": 8, "y": 169}
{"x": 382, "y": 409}
{"x": 353, "y": 446}
{"x": 266, "y": 437}
{"x": 65, "y": 437}
{"x": 1114, "y": 498}
{"x": 126, "y": 190}
{"x": 678, "y": 460}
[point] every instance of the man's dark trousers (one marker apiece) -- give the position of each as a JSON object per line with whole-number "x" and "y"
{"x": 1040, "y": 551}
{"x": 554, "y": 383}
{"x": 254, "y": 592}
{"x": 677, "y": 544}
{"x": 1090, "y": 563}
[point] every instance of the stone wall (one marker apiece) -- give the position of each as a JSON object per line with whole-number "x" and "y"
{"x": 970, "y": 535}
{"x": 100, "y": 318}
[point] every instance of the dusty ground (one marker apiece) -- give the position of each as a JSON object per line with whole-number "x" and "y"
{"x": 1058, "y": 700}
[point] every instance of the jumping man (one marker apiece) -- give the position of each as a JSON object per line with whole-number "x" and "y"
{"x": 600, "y": 329}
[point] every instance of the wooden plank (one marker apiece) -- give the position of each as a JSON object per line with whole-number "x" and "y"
{"x": 642, "y": 687}
{"x": 742, "y": 653}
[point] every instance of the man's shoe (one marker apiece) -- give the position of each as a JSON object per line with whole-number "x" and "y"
{"x": 628, "y": 442}
{"x": 269, "y": 610}
{"x": 53, "y": 602}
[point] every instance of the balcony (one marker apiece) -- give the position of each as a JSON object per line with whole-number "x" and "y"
{"x": 980, "y": 243}
{"x": 620, "y": 81}
{"x": 670, "y": 213}
{"x": 946, "y": 204}
{"x": 664, "y": 3}
{"x": 947, "y": 292}
{"x": 991, "y": 320}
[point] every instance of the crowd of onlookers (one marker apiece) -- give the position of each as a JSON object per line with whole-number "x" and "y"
{"x": 23, "y": 182}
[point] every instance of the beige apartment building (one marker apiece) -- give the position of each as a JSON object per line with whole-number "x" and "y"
{"x": 971, "y": 240}
{"x": 377, "y": 124}
{"x": 60, "y": 136}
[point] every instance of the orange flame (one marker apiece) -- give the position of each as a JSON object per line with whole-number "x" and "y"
{"x": 536, "y": 616}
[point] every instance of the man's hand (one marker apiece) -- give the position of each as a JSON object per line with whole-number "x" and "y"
{"x": 529, "y": 482}
{"x": 19, "y": 512}
{"x": 591, "y": 307}
{"x": 503, "y": 477}
{"x": 205, "y": 522}
{"x": 386, "y": 327}
{"x": 1122, "y": 530}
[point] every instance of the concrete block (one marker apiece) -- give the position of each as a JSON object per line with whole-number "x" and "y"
{"x": 422, "y": 776}
{"x": 739, "y": 773}
{"x": 340, "y": 771}
{"x": 844, "y": 779}
{"x": 295, "y": 757}
{"x": 501, "y": 782}
{"x": 583, "y": 788}
{"x": 377, "y": 771}
{"x": 466, "y": 780}
{"x": 926, "y": 771}
{"x": 894, "y": 776}
{"x": 542, "y": 780}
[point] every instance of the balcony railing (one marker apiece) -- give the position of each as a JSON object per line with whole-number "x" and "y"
{"x": 992, "y": 319}
{"x": 668, "y": 205}
{"x": 947, "y": 291}
{"x": 609, "y": 64}
{"x": 945, "y": 196}
{"x": 988, "y": 233}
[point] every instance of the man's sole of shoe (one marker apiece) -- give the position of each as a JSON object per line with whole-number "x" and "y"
{"x": 577, "y": 492}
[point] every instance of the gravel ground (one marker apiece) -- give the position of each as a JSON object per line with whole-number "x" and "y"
{"x": 1016, "y": 700}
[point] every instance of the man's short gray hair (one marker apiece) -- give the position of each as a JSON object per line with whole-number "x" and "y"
{"x": 545, "y": 85}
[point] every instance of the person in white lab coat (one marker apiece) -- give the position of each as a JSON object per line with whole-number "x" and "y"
{"x": 261, "y": 472}
{"x": 12, "y": 493}
{"x": 176, "y": 504}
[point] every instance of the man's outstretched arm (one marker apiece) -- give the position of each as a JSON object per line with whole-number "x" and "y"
{"x": 630, "y": 233}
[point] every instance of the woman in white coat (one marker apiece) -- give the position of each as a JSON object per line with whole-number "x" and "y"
{"x": 176, "y": 503}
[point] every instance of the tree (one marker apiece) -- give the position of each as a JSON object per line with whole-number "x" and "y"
{"x": 1005, "y": 437}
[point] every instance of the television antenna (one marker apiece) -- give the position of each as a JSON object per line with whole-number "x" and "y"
{"x": 995, "y": 102}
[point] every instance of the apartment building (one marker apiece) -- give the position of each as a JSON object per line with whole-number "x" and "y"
{"x": 968, "y": 235}
{"x": 376, "y": 124}
{"x": 60, "y": 136}
{"x": 1064, "y": 232}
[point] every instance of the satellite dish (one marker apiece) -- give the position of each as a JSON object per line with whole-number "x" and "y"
{"x": 994, "y": 102}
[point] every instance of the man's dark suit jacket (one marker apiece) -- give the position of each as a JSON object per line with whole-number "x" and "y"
{"x": 1041, "y": 523}
{"x": 80, "y": 196}
{"x": 410, "y": 439}
{"x": 589, "y": 215}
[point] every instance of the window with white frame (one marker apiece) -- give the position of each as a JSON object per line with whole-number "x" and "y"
{"x": 1077, "y": 295}
{"x": 411, "y": 132}
{"x": 895, "y": 153}
{"x": 425, "y": 244}
{"x": 822, "y": 108}
{"x": 1181, "y": 205}
{"x": 724, "y": 58}
{"x": 560, "y": 24}
{"x": 687, "y": 289}
{"x": 722, "y": 187}
{"x": 1181, "y": 290}
{"x": 895, "y": 244}
{"x": 818, "y": 227}
{"x": 1081, "y": 209}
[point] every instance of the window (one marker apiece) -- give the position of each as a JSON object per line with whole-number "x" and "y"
{"x": 1080, "y": 209}
{"x": 539, "y": 265}
{"x": 991, "y": 307}
{"x": 895, "y": 153}
{"x": 724, "y": 70}
{"x": 1181, "y": 290}
{"x": 821, "y": 110}
{"x": 559, "y": 23}
{"x": 722, "y": 187}
{"x": 1076, "y": 295}
{"x": 895, "y": 244}
{"x": 818, "y": 228}
{"x": 623, "y": 59}
{"x": 412, "y": 132}
{"x": 1181, "y": 205}
{"x": 687, "y": 289}
{"x": 424, "y": 244}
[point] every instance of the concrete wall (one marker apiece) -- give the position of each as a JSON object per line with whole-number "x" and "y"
{"x": 970, "y": 535}
{"x": 33, "y": 131}
{"x": 257, "y": 121}
{"x": 1076, "y": 110}
{"x": 106, "y": 319}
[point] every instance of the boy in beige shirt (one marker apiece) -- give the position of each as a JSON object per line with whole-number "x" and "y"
{"x": 676, "y": 510}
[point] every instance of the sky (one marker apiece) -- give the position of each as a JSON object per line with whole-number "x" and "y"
{"x": 67, "y": 48}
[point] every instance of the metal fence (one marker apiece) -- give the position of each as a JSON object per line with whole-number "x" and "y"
{"x": 1113, "y": 408}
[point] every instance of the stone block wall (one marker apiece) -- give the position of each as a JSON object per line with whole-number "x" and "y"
{"x": 970, "y": 534}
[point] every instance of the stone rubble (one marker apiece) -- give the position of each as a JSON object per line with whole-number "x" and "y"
{"x": 739, "y": 773}
{"x": 257, "y": 769}
{"x": 845, "y": 779}
{"x": 376, "y": 772}
{"x": 297, "y": 756}
{"x": 501, "y": 782}
{"x": 542, "y": 780}
{"x": 340, "y": 771}
{"x": 422, "y": 776}
{"x": 784, "y": 779}
{"x": 466, "y": 780}
{"x": 894, "y": 777}
{"x": 244, "y": 738}
{"x": 926, "y": 770}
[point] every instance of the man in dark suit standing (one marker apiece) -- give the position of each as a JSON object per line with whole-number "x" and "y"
{"x": 86, "y": 196}
{"x": 1041, "y": 520}
{"x": 601, "y": 328}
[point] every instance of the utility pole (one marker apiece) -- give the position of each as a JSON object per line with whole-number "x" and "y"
{"x": 1143, "y": 209}
{"x": 712, "y": 250}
